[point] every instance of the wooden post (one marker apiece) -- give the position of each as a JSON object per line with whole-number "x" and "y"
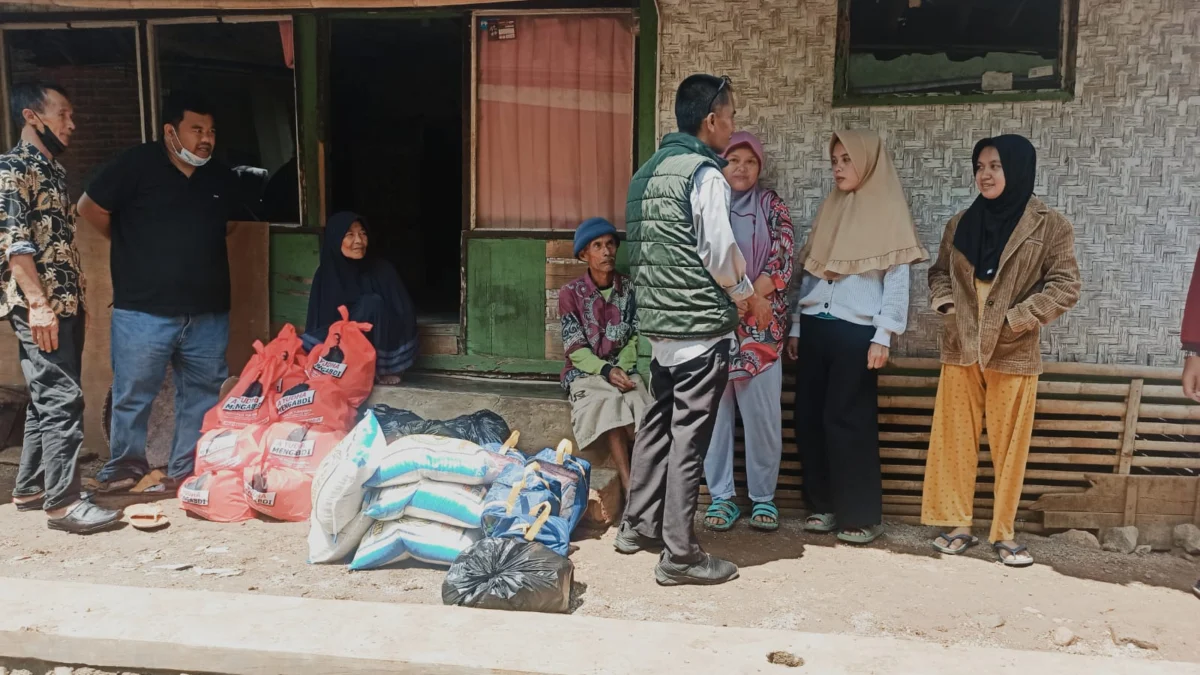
{"x": 1131, "y": 502}
{"x": 1133, "y": 404}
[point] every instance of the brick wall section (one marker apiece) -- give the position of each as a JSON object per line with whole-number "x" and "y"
{"x": 1121, "y": 160}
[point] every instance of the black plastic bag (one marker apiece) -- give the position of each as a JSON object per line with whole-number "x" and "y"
{"x": 480, "y": 427}
{"x": 511, "y": 574}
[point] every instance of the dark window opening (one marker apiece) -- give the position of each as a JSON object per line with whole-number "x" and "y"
{"x": 241, "y": 71}
{"x": 897, "y": 48}
{"x": 396, "y": 147}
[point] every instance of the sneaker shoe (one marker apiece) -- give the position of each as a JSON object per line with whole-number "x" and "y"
{"x": 708, "y": 571}
{"x": 630, "y": 542}
{"x": 85, "y": 518}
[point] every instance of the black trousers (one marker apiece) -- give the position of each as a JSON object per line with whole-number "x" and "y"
{"x": 837, "y": 422}
{"x": 54, "y": 419}
{"x": 667, "y": 462}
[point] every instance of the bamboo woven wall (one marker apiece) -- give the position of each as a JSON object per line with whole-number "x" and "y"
{"x": 1122, "y": 160}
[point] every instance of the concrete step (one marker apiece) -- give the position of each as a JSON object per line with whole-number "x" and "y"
{"x": 124, "y": 628}
{"x": 539, "y": 410}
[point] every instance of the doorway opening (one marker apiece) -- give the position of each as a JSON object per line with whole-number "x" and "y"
{"x": 396, "y": 147}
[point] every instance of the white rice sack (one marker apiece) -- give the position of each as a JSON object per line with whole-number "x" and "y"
{"x": 451, "y": 460}
{"x": 337, "y": 488}
{"x": 449, "y": 503}
{"x": 327, "y": 548}
{"x": 396, "y": 540}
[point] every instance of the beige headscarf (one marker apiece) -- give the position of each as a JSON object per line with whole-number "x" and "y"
{"x": 868, "y": 229}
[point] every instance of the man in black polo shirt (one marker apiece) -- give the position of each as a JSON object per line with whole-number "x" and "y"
{"x": 166, "y": 208}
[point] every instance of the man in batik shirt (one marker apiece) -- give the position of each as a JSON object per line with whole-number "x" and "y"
{"x": 42, "y": 294}
{"x": 599, "y": 331}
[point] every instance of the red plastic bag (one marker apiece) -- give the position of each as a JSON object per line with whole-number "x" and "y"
{"x": 346, "y": 357}
{"x": 228, "y": 449}
{"x": 298, "y": 446}
{"x": 279, "y": 492}
{"x": 247, "y": 402}
{"x": 218, "y": 497}
{"x": 320, "y": 403}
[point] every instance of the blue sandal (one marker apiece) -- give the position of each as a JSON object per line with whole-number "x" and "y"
{"x": 769, "y": 515}
{"x": 723, "y": 510}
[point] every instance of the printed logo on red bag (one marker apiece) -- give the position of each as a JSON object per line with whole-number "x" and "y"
{"x": 264, "y": 498}
{"x": 242, "y": 403}
{"x": 286, "y": 448}
{"x": 193, "y": 496}
{"x": 329, "y": 368}
{"x": 295, "y": 400}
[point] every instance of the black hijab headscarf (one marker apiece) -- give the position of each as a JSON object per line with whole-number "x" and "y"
{"x": 987, "y": 225}
{"x": 343, "y": 281}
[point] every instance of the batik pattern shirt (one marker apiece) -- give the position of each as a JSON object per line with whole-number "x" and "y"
{"x": 759, "y": 348}
{"x": 38, "y": 219}
{"x": 598, "y": 327}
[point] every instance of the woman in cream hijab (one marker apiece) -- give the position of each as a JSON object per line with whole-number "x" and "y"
{"x": 851, "y": 302}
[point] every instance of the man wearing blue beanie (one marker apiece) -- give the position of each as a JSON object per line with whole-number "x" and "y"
{"x": 600, "y": 344}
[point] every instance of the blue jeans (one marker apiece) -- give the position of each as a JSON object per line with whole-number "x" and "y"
{"x": 142, "y": 346}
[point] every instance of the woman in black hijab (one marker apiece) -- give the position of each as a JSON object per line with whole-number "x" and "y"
{"x": 370, "y": 288}
{"x": 1006, "y": 267}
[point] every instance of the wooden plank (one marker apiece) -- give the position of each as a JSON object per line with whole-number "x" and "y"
{"x": 1110, "y": 371}
{"x": 560, "y": 248}
{"x": 308, "y": 115}
{"x": 250, "y": 307}
{"x": 1105, "y": 495}
{"x": 1167, "y": 446}
{"x": 505, "y": 287}
{"x": 1171, "y": 412}
{"x": 1167, "y": 429}
{"x": 1129, "y": 516}
{"x": 1133, "y": 405}
{"x": 559, "y": 274}
{"x": 1168, "y": 462}
{"x": 1170, "y": 391}
{"x": 1073, "y": 520}
{"x": 646, "y": 87}
{"x": 294, "y": 259}
{"x": 907, "y": 382}
{"x": 1049, "y": 387}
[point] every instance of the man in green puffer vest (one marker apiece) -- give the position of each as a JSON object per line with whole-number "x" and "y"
{"x": 690, "y": 287}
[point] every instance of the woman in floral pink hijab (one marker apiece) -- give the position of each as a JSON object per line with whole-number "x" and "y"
{"x": 763, "y": 229}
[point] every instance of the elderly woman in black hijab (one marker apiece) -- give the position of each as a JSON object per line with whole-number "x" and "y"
{"x": 1006, "y": 268}
{"x": 370, "y": 288}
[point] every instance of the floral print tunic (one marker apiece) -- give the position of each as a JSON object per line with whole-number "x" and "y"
{"x": 758, "y": 349}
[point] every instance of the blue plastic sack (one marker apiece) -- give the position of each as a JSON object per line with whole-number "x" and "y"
{"x": 532, "y": 489}
{"x": 553, "y": 532}
{"x": 574, "y": 476}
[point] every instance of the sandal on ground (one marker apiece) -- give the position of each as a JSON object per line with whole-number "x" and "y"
{"x": 119, "y": 485}
{"x": 146, "y": 516}
{"x": 764, "y": 516}
{"x": 949, "y": 548}
{"x": 822, "y": 523}
{"x": 860, "y": 535}
{"x": 1012, "y": 559}
{"x": 723, "y": 511}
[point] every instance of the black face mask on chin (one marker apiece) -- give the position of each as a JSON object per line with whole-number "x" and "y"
{"x": 48, "y": 138}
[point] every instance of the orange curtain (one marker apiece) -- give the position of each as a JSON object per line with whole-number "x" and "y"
{"x": 555, "y": 111}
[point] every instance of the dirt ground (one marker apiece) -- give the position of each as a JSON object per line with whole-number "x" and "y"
{"x": 790, "y": 579}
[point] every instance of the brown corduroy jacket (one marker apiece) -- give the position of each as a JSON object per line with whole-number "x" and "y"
{"x": 1037, "y": 281}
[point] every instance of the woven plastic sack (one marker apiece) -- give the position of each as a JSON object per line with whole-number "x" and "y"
{"x": 394, "y": 541}
{"x": 415, "y": 458}
{"x": 337, "y": 488}
{"x": 324, "y": 547}
{"x": 510, "y": 574}
{"x": 448, "y": 503}
{"x": 216, "y": 496}
{"x": 346, "y": 358}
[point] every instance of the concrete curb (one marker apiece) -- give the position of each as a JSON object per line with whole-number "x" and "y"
{"x": 244, "y": 634}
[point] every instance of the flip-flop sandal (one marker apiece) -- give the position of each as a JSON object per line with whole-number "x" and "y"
{"x": 765, "y": 510}
{"x": 724, "y": 510}
{"x": 1013, "y": 551}
{"x": 821, "y": 523}
{"x": 860, "y": 535}
{"x": 119, "y": 485}
{"x": 146, "y": 516}
{"x": 949, "y": 548}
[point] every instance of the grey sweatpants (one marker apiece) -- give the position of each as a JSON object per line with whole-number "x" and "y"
{"x": 667, "y": 462}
